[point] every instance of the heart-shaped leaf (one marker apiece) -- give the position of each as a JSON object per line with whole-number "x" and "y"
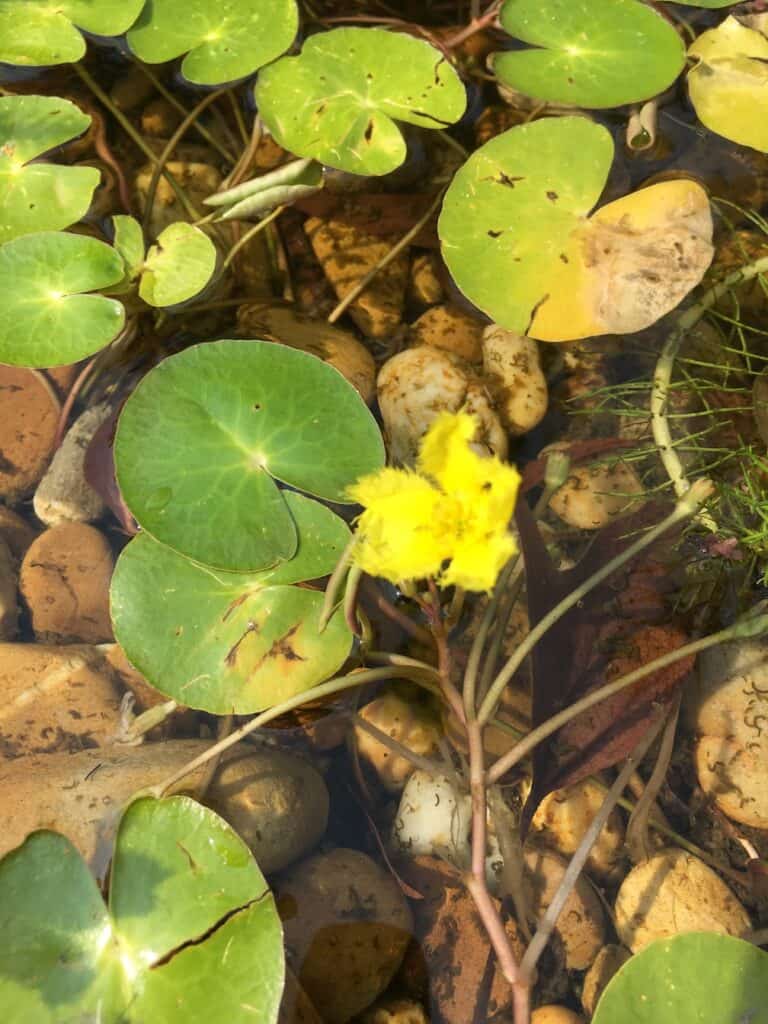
{"x": 223, "y": 41}
{"x": 337, "y": 102}
{"x": 129, "y": 243}
{"x": 231, "y": 642}
{"x": 206, "y": 433}
{"x": 45, "y": 319}
{"x": 191, "y": 932}
{"x": 729, "y": 84}
{"x": 178, "y": 266}
{"x": 517, "y": 239}
{"x": 587, "y": 54}
{"x": 36, "y": 33}
{"x": 40, "y": 197}
{"x": 692, "y": 978}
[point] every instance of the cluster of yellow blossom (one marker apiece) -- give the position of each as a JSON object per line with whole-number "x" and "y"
{"x": 449, "y": 519}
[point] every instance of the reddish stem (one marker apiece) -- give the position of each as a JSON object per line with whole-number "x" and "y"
{"x": 475, "y": 26}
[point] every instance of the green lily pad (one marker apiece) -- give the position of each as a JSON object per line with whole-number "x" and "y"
{"x": 337, "y": 102}
{"x": 501, "y": 230}
{"x": 695, "y": 978}
{"x": 588, "y": 54}
{"x": 231, "y": 642}
{"x": 129, "y": 243}
{"x": 205, "y": 435}
{"x": 45, "y": 319}
{"x": 191, "y": 932}
{"x": 40, "y": 197}
{"x": 178, "y": 266}
{"x": 226, "y": 40}
{"x": 37, "y": 33}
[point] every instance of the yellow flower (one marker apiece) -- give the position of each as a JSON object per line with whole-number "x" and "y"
{"x": 456, "y": 510}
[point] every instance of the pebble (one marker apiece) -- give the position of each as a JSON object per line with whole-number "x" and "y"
{"x": 424, "y": 286}
{"x": 347, "y": 926}
{"x": 449, "y": 328}
{"x": 64, "y": 581}
{"x": 64, "y": 494}
{"x": 55, "y": 699}
{"x": 16, "y": 532}
{"x": 27, "y": 431}
{"x": 9, "y": 581}
{"x": 346, "y": 255}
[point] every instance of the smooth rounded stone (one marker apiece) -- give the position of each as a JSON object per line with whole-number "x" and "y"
{"x": 414, "y": 725}
{"x": 198, "y": 179}
{"x": 181, "y": 722}
{"x": 63, "y": 377}
{"x": 512, "y": 367}
{"x": 131, "y": 89}
{"x": 346, "y": 255}
{"x": 341, "y": 349}
{"x": 581, "y": 924}
{"x": 65, "y": 580}
{"x": 55, "y": 699}
{"x": 16, "y": 532}
{"x": 160, "y": 119}
{"x": 9, "y": 584}
{"x": 64, "y": 494}
{"x": 276, "y": 801}
{"x": 735, "y": 777}
{"x": 347, "y": 926}
{"x": 595, "y": 495}
{"x": 27, "y": 430}
{"x": 416, "y": 385}
{"x": 554, "y": 1014}
{"x": 424, "y": 286}
{"x": 83, "y": 794}
{"x": 671, "y": 893}
{"x": 729, "y": 692}
{"x": 607, "y": 962}
{"x": 451, "y": 329}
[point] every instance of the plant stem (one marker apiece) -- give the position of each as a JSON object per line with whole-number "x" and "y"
{"x": 425, "y": 764}
{"x": 251, "y": 233}
{"x": 168, "y": 150}
{"x": 662, "y": 377}
{"x": 574, "y": 869}
{"x": 336, "y": 685}
{"x": 636, "y": 838}
{"x": 686, "y": 506}
{"x": 333, "y": 586}
{"x": 477, "y": 24}
{"x": 395, "y": 251}
{"x": 126, "y": 125}
{"x": 753, "y": 626}
{"x": 478, "y": 642}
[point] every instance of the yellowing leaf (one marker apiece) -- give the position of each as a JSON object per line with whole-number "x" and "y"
{"x": 729, "y": 85}
{"x": 629, "y": 264}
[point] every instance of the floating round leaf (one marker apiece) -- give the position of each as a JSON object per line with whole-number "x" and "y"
{"x": 192, "y": 931}
{"x": 692, "y": 978}
{"x": 206, "y": 433}
{"x": 337, "y": 102}
{"x": 35, "y": 33}
{"x": 129, "y": 243}
{"x": 517, "y": 239}
{"x": 587, "y": 54}
{"x": 729, "y": 84}
{"x": 39, "y": 196}
{"x": 230, "y": 642}
{"x": 45, "y": 319}
{"x": 178, "y": 266}
{"x": 226, "y": 40}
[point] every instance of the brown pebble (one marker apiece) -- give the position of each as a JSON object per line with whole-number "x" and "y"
{"x": 65, "y": 579}
{"x": 27, "y": 430}
{"x": 424, "y": 287}
{"x": 63, "y": 377}
{"x": 181, "y": 722}
{"x": 16, "y": 532}
{"x": 160, "y": 118}
{"x": 9, "y": 582}
{"x": 451, "y": 329}
{"x": 347, "y": 254}
{"x": 55, "y": 699}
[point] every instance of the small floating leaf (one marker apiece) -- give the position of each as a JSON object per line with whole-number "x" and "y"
{"x": 518, "y": 241}
{"x": 692, "y": 978}
{"x": 254, "y": 412}
{"x": 337, "y": 102}
{"x": 729, "y": 84}
{"x": 226, "y": 40}
{"x": 129, "y": 243}
{"x": 36, "y": 33}
{"x": 40, "y": 196}
{"x": 45, "y": 319}
{"x": 178, "y": 266}
{"x": 192, "y": 932}
{"x": 231, "y": 642}
{"x": 588, "y": 54}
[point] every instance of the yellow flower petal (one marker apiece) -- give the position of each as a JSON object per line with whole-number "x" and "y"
{"x": 445, "y": 454}
{"x": 478, "y": 562}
